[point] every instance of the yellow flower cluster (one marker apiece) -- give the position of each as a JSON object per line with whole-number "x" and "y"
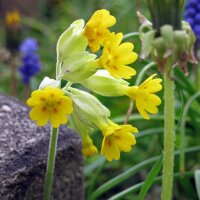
{"x": 116, "y": 55}
{"x": 76, "y": 65}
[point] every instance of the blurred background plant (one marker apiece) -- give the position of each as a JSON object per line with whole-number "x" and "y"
{"x": 45, "y": 21}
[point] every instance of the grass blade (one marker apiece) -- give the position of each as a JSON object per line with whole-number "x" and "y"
{"x": 138, "y": 186}
{"x": 150, "y": 178}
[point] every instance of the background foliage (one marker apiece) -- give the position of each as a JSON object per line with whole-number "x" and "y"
{"x": 53, "y": 18}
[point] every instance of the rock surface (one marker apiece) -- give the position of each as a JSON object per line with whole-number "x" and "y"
{"x": 23, "y": 156}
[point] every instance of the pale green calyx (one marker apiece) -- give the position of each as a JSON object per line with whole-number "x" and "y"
{"x": 79, "y": 126}
{"x": 88, "y": 108}
{"x": 48, "y": 82}
{"x": 104, "y": 84}
{"x": 74, "y": 64}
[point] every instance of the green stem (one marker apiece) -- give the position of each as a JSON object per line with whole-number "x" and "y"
{"x": 143, "y": 72}
{"x": 169, "y": 135}
{"x": 129, "y": 35}
{"x": 182, "y": 133}
{"x": 50, "y": 164}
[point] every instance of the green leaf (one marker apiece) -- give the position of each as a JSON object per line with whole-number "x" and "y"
{"x": 197, "y": 181}
{"x": 151, "y": 177}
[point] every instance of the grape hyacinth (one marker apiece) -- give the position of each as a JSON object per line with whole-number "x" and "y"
{"x": 192, "y": 16}
{"x": 30, "y": 59}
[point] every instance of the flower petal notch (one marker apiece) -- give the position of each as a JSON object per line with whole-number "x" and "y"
{"x": 73, "y": 62}
{"x": 96, "y": 30}
{"x": 115, "y": 57}
{"x": 49, "y": 104}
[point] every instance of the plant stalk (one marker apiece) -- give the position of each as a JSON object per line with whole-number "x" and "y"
{"x": 169, "y": 135}
{"x": 50, "y": 164}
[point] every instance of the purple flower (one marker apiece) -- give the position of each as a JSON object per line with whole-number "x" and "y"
{"x": 192, "y": 16}
{"x": 30, "y": 59}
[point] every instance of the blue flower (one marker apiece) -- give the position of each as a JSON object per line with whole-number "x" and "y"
{"x": 192, "y": 16}
{"x": 29, "y": 45}
{"x": 30, "y": 59}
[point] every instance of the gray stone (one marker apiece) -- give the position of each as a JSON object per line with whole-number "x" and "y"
{"x": 23, "y": 157}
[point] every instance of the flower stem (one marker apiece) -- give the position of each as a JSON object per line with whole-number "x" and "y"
{"x": 169, "y": 135}
{"x": 50, "y": 164}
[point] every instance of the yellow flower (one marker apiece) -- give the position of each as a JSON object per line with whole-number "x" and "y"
{"x": 96, "y": 29}
{"x": 115, "y": 57}
{"x": 12, "y": 18}
{"x": 88, "y": 148}
{"x": 49, "y": 104}
{"x": 146, "y": 100}
{"x": 117, "y": 138}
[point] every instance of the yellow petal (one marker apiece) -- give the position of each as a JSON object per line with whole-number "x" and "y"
{"x": 128, "y": 128}
{"x": 154, "y": 85}
{"x": 57, "y": 118}
{"x": 124, "y": 48}
{"x": 140, "y": 106}
{"x": 124, "y": 141}
{"x": 122, "y": 71}
{"x": 39, "y": 115}
{"x": 127, "y": 58}
{"x": 36, "y": 98}
{"x": 67, "y": 105}
{"x": 110, "y": 150}
{"x": 148, "y": 79}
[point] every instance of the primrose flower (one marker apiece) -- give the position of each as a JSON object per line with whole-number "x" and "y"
{"x": 12, "y": 18}
{"x": 115, "y": 57}
{"x": 117, "y": 138}
{"x": 96, "y": 30}
{"x": 146, "y": 100}
{"x": 49, "y": 104}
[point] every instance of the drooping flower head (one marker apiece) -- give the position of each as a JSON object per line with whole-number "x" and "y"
{"x": 192, "y": 16}
{"x": 96, "y": 29}
{"x": 30, "y": 59}
{"x": 117, "y": 138}
{"x": 146, "y": 100}
{"x": 49, "y": 104}
{"x": 115, "y": 57}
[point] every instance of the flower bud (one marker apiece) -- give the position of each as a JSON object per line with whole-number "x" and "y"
{"x": 48, "y": 82}
{"x": 104, "y": 84}
{"x": 88, "y": 148}
{"x": 88, "y": 108}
